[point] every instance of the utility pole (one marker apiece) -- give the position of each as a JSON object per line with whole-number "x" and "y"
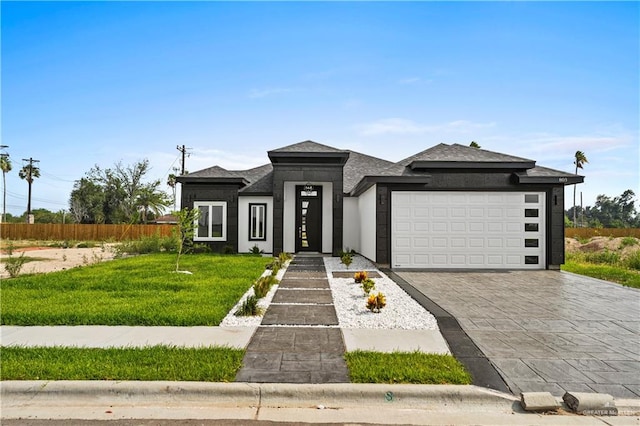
{"x": 4, "y": 181}
{"x": 29, "y": 178}
{"x": 183, "y": 149}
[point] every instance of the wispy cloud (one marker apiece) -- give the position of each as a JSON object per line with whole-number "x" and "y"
{"x": 404, "y": 126}
{"x": 262, "y": 93}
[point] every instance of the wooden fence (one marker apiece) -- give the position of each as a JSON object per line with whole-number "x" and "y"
{"x": 77, "y": 232}
{"x": 601, "y": 232}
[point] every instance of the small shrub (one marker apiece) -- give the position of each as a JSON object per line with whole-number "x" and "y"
{"x": 263, "y": 285}
{"x": 201, "y": 248}
{"x": 284, "y": 257}
{"x": 376, "y": 302}
{"x": 275, "y": 266}
{"x": 346, "y": 259}
{"x": 606, "y": 257}
{"x": 249, "y": 308}
{"x": 628, "y": 241}
{"x": 228, "y": 249}
{"x": 13, "y": 265}
{"x": 255, "y": 250}
{"x": 582, "y": 240}
{"x": 368, "y": 285}
{"x": 86, "y": 244}
{"x": 633, "y": 261}
{"x": 360, "y": 276}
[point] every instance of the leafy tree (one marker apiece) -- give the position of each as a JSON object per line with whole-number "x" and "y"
{"x": 5, "y": 165}
{"x": 474, "y": 144}
{"x": 117, "y": 195}
{"x": 579, "y": 160}
{"x": 616, "y": 212}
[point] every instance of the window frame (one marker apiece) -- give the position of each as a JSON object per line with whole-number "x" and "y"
{"x": 210, "y": 205}
{"x": 263, "y": 207}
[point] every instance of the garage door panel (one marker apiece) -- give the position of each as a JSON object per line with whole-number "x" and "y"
{"x": 467, "y": 230}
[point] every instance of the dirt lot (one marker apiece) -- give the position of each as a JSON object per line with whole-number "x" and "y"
{"x": 599, "y": 244}
{"x": 57, "y": 259}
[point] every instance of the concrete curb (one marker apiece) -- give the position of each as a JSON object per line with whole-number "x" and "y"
{"x": 340, "y": 395}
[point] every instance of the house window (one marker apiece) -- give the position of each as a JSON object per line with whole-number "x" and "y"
{"x": 212, "y": 221}
{"x": 257, "y": 222}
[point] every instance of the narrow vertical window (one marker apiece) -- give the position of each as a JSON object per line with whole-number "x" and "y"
{"x": 257, "y": 222}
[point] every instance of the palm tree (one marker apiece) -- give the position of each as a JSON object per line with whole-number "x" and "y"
{"x": 151, "y": 201}
{"x": 580, "y": 160}
{"x": 5, "y": 165}
{"x": 29, "y": 173}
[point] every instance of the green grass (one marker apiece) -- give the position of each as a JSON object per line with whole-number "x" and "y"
{"x": 605, "y": 272}
{"x": 140, "y": 290}
{"x": 213, "y": 364}
{"x": 405, "y": 367}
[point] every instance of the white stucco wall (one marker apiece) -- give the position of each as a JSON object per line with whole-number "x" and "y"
{"x": 367, "y": 217}
{"x": 289, "y": 216}
{"x": 351, "y": 224}
{"x": 244, "y": 245}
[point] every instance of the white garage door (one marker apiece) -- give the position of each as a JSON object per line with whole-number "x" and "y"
{"x": 472, "y": 230}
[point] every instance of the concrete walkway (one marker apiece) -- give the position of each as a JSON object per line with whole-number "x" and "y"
{"x": 546, "y": 330}
{"x": 296, "y": 343}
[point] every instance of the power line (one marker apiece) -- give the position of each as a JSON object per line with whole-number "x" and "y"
{"x": 183, "y": 150}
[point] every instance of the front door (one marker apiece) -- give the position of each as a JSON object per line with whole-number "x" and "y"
{"x": 308, "y": 218}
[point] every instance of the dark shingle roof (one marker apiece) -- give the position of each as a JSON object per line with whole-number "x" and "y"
{"x": 307, "y": 146}
{"x": 456, "y": 153}
{"x": 215, "y": 172}
{"x": 360, "y": 165}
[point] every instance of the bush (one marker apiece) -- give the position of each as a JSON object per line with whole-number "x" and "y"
{"x": 346, "y": 259}
{"x": 628, "y": 241}
{"x": 606, "y": 257}
{"x": 283, "y": 257}
{"x": 633, "y": 261}
{"x": 228, "y": 249}
{"x": 255, "y": 250}
{"x": 263, "y": 285}
{"x": 13, "y": 265}
{"x": 360, "y": 276}
{"x": 249, "y": 308}
{"x": 368, "y": 285}
{"x": 376, "y": 302}
{"x": 146, "y": 245}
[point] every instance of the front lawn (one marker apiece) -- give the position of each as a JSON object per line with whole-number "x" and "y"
{"x": 405, "y": 367}
{"x": 140, "y": 290}
{"x": 214, "y": 364}
{"x": 617, "y": 274}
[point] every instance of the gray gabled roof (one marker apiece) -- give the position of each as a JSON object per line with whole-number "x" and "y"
{"x": 461, "y": 156}
{"x": 360, "y": 171}
{"x": 307, "y": 147}
{"x": 360, "y": 165}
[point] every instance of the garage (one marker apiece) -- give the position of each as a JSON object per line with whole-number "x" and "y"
{"x": 467, "y": 230}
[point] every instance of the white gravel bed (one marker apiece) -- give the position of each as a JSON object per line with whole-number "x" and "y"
{"x": 401, "y": 312}
{"x": 233, "y": 321}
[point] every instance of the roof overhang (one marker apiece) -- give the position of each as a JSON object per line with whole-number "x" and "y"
{"x": 470, "y": 165}
{"x": 368, "y": 181}
{"x": 548, "y": 180}
{"x": 327, "y": 158}
{"x": 213, "y": 180}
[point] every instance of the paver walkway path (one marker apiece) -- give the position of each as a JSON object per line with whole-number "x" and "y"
{"x": 298, "y": 340}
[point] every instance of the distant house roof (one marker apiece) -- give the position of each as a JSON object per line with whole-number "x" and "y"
{"x": 361, "y": 171}
{"x": 167, "y": 218}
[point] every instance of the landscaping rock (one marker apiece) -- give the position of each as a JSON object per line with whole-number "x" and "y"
{"x": 597, "y": 404}
{"x": 538, "y": 401}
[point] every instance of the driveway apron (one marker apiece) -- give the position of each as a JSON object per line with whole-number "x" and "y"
{"x": 299, "y": 340}
{"x": 546, "y": 330}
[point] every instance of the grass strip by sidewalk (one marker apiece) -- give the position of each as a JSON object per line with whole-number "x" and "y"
{"x": 211, "y": 364}
{"x": 140, "y": 290}
{"x": 612, "y": 273}
{"x": 405, "y": 367}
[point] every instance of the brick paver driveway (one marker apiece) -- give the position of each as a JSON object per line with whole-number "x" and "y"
{"x": 546, "y": 330}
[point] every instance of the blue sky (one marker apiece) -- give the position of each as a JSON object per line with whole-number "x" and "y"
{"x": 101, "y": 82}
